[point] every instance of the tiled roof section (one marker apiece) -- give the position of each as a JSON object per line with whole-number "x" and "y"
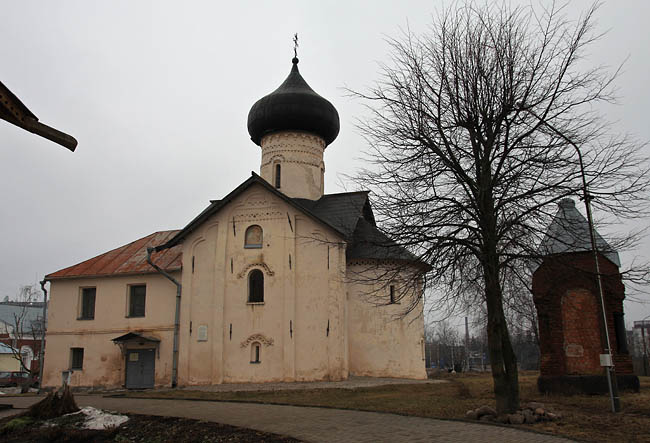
{"x": 339, "y": 210}
{"x": 369, "y": 242}
{"x": 127, "y": 259}
{"x": 569, "y": 232}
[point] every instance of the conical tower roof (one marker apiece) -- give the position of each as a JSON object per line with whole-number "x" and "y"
{"x": 569, "y": 232}
{"x": 293, "y": 106}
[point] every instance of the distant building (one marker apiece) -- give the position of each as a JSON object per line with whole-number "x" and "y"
{"x": 280, "y": 281}
{"x": 21, "y": 328}
{"x": 8, "y": 362}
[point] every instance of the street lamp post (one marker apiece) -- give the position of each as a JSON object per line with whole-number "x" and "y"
{"x": 611, "y": 374}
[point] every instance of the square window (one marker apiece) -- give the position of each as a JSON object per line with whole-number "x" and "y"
{"x": 76, "y": 358}
{"x": 87, "y": 308}
{"x": 137, "y": 296}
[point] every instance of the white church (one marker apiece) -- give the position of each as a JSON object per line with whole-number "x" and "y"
{"x": 276, "y": 281}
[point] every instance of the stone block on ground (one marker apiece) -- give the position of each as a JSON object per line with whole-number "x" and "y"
{"x": 486, "y": 410}
{"x": 516, "y": 419}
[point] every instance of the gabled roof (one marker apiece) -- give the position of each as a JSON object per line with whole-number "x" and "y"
{"x": 216, "y": 205}
{"x": 569, "y": 232}
{"x": 127, "y": 259}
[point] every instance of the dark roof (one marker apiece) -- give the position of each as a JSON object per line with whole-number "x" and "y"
{"x": 30, "y": 316}
{"x": 127, "y": 259}
{"x": 370, "y": 242}
{"x": 135, "y": 336}
{"x": 15, "y": 112}
{"x": 569, "y": 232}
{"x": 339, "y": 210}
{"x": 216, "y": 205}
{"x": 349, "y": 214}
{"x": 293, "y": 106}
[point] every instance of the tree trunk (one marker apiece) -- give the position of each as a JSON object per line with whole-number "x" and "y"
{"x": 502, "y": 357}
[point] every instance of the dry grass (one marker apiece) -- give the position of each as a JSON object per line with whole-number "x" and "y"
{"x": 586, "y": 418}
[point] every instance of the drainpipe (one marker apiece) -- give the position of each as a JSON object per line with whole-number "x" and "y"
{"x": 176, "y": 315}
{"x": 41, "y": 356}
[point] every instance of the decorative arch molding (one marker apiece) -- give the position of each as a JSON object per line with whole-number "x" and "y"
{"x": 261, "y": 338}
{"x": 263, "y": 266}
{"x": 196, "y": 243}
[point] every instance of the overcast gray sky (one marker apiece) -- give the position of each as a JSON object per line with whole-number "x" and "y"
{"x": 157, "y": 93}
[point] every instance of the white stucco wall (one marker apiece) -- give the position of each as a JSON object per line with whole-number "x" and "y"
{"x": 103, "y": 363}
{"x": 300, "y": 295}
{"x": 385, "y": 340}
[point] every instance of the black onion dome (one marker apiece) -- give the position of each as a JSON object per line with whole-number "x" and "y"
{"x": 293, "y": 106}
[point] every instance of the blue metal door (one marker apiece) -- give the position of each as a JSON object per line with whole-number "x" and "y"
{"x": 140, "y": 368}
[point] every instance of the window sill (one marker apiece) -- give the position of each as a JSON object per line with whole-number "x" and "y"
{"x": 255, "y": 303}
{"x": 252, "y": 246}
{"x": 134, "y": 316}
{"x": 85, "y": 318}
{"x": 75, "y": 369}
{"x": 256, "y": 362}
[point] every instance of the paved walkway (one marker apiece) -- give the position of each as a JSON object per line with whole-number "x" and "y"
{"x": 313, "y": 424}
{"x": 352, "y": 382}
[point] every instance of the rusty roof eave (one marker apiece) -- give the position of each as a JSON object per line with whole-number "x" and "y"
{"x": 123, "y": 274}
{"x": 126, "y": 260}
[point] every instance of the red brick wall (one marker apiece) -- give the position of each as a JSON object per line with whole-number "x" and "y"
{"x": 581, "y": 330}
{"x": 554, "y": 281}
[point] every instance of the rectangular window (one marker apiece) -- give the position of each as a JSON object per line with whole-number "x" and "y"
{"x": 76, "y": 358}
{"x": 392, "y": 294}
{"x": 137, "y": 296}
{"x": 87, "y": 311}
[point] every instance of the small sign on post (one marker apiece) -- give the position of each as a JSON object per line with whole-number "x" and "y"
{"x": 606, "y": 360}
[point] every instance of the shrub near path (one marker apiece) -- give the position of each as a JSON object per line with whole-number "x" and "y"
{"x": 586, "y": 418}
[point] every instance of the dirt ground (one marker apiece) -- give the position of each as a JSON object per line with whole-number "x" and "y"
{"x": 139, "y": 428}
{"x": 584, "y": 417}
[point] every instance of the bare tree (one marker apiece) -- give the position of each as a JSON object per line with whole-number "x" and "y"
{"x": 473, "y": 134}
{"x": 24, "y": 326}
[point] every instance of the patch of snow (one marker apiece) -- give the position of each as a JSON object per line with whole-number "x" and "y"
{"x": 98, "y": 419}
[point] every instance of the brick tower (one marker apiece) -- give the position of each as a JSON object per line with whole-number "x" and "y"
{"x": 565, "y": 293}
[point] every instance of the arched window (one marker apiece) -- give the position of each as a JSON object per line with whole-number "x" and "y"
{"x": 278, "y": 175}
{"x": 256, "y": 286}
{"x": 253, "y": 238}
{"x": 255, "y": 352}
